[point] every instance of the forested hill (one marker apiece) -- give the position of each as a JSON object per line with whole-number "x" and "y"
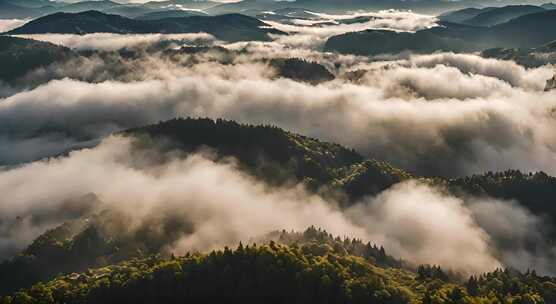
{"x": 308, "y": 272}
{"x": 536, "y": 191}
{"x": 229, "y": 27}
{"x": 275, "y": 155}
{"x": 19, "y": 56}
{"x": 527, "y": 31}
{"x": 270, "y": 154}
{"x": 79, "y": 245}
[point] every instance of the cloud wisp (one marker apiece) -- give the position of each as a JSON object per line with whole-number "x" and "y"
{"x": 401, "y": 111}
{"x": 413, "y": 221}
{"x": 10, "y": 24}
{"x": 316, "y": 31}
{"x": 114, "y": 42}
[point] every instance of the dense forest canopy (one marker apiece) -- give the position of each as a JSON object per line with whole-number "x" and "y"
{"x": 298, "y": 268}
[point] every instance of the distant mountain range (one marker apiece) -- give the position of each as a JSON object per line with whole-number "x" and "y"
{"x": 490, "y": 16}
{"x": 422, "y": 6}
{"x": 230, "y": 27}
{"x": 549, "y": 6}
{"x": 522, "y": 32}
{"x": 35, "y": 8}
{"x": 532, "y": 57}
{"x": 169, "y": 14}
{"x": 25, "y": 9}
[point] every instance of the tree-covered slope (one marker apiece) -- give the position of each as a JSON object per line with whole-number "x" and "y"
{"x": 157, "y": 15}
{"x": 272, "y": 155}
{"x": 527, "y": 57}
{"x": 301, "y": 70}
{"x": 275, "y": 155}
{"x": 527, "y": 31}
{"x": 82, "y": 23}
{"x": 79, "y": 245}
{"x": 275, "y": 273}
{"x": 231, "y": 27}
{"x": 536, "y": 191}
{"x": 266, "y": 151}
{"x": 502, "y": 15}
{"x": 18, "y": 56}
{"x": 250, "y": 274}
{"x": 447, "y": 37}
{"x": 458, "y": 16}
{"x": 83, "y": 6}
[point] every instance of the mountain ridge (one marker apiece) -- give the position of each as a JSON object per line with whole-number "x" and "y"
{"x": 231, "y": 27}
{"x": 271, "y": 155}
{"x": 521, "y": 32}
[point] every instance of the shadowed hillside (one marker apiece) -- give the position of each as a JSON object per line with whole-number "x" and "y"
{"x": 523, "y": 32}
{"x": 231, "y": 27}
{"x": 19, "y": 56}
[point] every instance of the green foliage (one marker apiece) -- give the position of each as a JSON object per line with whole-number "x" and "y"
{"x": 317, "y": 242}
{"x": 533, "y": 190}
{"x": 428, "y": 272}
{"x": 275, "y": 155}
{"x": 279, "y": 273}
{"x": 370, "y": 177}
{"x": 60, "y": 250}
{"x": 279, "y": 157}
{"x": 251, "y": 274}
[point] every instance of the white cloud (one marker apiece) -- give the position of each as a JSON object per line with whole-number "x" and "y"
{"x": 10, "y": 24}
{"x": 112, "y": 42}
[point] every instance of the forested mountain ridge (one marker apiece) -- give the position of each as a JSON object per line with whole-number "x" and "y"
{"x": 459, "y": 16}
{"x": 303, "y": 272}
{"x": 527, "y": 57}
{"x": 536, "y": 191}
{"x": 79, "y": 245}
{"x": 230, "y": 27}
{"x": 526, "y": 31}
{"x": 275, "y": 155}
{"x": 272, "y": 155}
{"x": 491, "y": 16}
{"x": 26, "y": 9}
{"x": 22, "y": 56}
{"x": 278, "y": 157}
{"x": 301, "y": 70}
{"x": 19, "y": 56}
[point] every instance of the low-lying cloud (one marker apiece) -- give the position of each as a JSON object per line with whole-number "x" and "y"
{"x": 222, "y": 205}
{"x": 442, "y": 114}
{"x": 10, "y": 24}
{"x": 193, "y": 202}
{"x": 218, "y": 206}
{"x": 417, "y": 221}
{"x": 113, "y": 42}
{"x": 316, "y": 31}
